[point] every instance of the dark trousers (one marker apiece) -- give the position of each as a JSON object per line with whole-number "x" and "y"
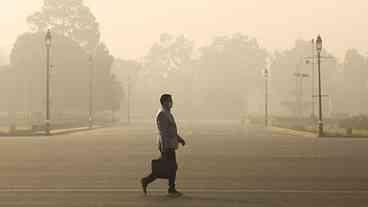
{"x": 168, "y": 154}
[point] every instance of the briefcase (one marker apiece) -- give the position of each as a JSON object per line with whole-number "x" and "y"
{"x": 162, "y": 168}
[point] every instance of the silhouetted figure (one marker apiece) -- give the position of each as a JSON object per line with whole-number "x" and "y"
{"x": 168, "y": 144}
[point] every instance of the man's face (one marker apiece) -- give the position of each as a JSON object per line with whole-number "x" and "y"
{"x": 168, "y": 104}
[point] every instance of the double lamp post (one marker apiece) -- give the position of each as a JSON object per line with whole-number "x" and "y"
{"x": 319, "y": 50}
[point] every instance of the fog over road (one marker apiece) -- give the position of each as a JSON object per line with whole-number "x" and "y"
{"x": 222, "y": 165}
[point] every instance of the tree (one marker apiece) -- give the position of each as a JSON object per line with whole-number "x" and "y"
{"x": 229, "y": 72}
{"x": 355, "y": 82}
{"x": 117, "y": 94}
{"x": 75, "y": 38}
{"x": 103, "y": 61}
{"x": 284, "y": 83}
{"x": 126, "y": 70}
{"x": 6, "y": 87}
{"x": 69, "y": 74}
{"x": 166, "y": 68}
{"x": 69, "y": 78}
{"x": 168, "y": 56}
{"x": 286, "y": 86}
{"x": 127, "y": 73}
{"x": 70, "y": 18}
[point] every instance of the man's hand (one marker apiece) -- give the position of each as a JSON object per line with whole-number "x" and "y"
{"x": 181, "y": 141}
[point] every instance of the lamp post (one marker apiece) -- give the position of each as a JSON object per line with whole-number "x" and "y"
{"x": 90, "y": 101}
{"x": 313, "y": 67}
{"x": 265, "y": 73}
{"x": 48, "y": 40}
{"x": 319, "y": 49}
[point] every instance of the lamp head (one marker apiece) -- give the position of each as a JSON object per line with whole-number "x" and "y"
{"x": 319, "y": 43}
{"x": 48, "y": 38}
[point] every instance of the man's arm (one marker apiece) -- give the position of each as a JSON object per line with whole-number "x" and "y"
{"x": 163, "y": 126}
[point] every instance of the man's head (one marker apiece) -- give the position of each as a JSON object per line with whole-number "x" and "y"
{"x": 166, "y": 101}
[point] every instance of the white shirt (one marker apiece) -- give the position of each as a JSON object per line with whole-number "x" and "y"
{"x": 168, "y": 133}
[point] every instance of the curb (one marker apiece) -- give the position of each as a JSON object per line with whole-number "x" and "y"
{"x": 292, "y": 132}
{"x": 52, "y": 132}
{"x": 71, "y": 130}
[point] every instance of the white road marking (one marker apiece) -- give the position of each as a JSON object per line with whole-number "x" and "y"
{"x": 187, "y": 190}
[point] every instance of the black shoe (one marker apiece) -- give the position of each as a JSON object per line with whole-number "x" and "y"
{"x": 174, "y": 193}
{"x": 144, "y": 186}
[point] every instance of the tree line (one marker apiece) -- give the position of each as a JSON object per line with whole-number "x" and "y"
{"x": 226, "y": 74}
{"x": 76, "y": 51}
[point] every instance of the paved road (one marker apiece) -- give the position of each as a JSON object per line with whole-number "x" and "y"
{"x": 223, "y": 165}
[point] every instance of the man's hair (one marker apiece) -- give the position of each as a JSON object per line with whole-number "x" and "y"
{"x": 164, "y": 98}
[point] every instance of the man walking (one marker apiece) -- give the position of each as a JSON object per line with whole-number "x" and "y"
{"x": 168, "y": 143}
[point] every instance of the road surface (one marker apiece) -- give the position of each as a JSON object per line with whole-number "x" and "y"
{"x": 222, "y": 165}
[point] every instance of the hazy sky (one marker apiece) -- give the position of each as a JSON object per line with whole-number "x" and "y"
{"x": 130, "y": 27}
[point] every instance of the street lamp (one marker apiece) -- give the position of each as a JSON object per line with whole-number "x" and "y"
{"x": 48, "y": 41}
{"x": 319, "y": 50}
{"x": 266, "y": 73}
{"x": 313, "y": 68}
